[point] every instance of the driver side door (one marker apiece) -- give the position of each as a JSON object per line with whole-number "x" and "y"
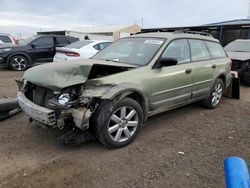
{"x": 172, "y": 85}
{"x": 42, "y": 50}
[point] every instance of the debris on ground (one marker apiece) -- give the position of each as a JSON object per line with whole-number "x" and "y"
{"x": 75, "y": 137}
{"x": 8, "y": 107}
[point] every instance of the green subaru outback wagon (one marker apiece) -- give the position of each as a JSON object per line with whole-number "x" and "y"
{"x": 112, "y": 94}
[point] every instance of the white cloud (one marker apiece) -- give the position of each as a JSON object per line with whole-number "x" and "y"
{"x": 25, "y": 16}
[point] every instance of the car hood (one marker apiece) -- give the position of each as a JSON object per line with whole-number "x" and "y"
{"x": 2, "y": 46}
{"x": 59, "y": 75}
{"x": 241, "y": 56}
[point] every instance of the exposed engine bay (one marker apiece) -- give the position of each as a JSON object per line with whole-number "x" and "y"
{"x": 243, "y": 69}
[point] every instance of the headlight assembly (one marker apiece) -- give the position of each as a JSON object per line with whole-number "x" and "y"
{"x": 64, "y": 98}
{"x": 5, "y": 50}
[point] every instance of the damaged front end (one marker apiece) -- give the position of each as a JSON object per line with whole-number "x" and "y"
{"x": 57, "y": 103}
{"x": 243, "y": 69}
{"x": 57, "y": 110}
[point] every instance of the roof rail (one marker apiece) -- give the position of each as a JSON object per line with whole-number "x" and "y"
{"x": 194, "y": 32}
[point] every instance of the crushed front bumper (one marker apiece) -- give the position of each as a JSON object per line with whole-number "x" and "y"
{"x": 36, "y": 112}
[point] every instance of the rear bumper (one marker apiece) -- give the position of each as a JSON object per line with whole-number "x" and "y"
{"x": 36, "y": 112}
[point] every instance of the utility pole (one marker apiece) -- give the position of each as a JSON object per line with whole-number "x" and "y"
{"x": 142, "y": 22}
{"x": 248, "y": 15}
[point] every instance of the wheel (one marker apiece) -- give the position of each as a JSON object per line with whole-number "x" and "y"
{"x": 18, "y": 63}
{"x": 119, "y": 123}
{"x": 216, "y": 94}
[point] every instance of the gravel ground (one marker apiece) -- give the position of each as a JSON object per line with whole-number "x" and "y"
{"x": 180, "y": 148}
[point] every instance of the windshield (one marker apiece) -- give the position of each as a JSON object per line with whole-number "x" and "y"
{"x": 27, "y": 41}
{"x": 238, "y": 46}
{"x": 134, "y": 51}
{"x": 79, "y": 44}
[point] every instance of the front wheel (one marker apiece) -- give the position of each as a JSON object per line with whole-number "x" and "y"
{"x": 120, "y": 125}
{"x": 216, "y": 94}
{"x": 18, "y": 63}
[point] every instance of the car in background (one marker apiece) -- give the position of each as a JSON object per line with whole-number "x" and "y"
{"x": 239, "y": 52}
{"x": 33, "y": 50}
{"x": 81, "y": 49}
{"x": 7, "y": 39}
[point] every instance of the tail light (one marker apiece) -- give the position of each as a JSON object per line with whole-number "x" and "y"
{"x": 15, "y": 41}
{"x": 71, "y": 54}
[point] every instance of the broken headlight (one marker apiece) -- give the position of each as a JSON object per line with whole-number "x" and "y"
{"x": 64, "y": 98}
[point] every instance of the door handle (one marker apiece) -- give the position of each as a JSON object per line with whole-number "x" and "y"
{"x": 213, "y": 66}
{"x": 188, "y": 71}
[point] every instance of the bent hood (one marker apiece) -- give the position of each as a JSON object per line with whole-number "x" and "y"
{"x": 241, "y": 56}
{"x": 59, "y": 75}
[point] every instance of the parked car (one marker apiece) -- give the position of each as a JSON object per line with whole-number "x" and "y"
{"x": 239, "y": 52}
{"x": 36, "y": 49}
{"x": 7, "y": 39}
{"x": 113, "y": 93}
{"x": 81, "y": 49}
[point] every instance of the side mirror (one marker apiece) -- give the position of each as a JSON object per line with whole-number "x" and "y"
{"x": 34, "y": 45}
{"x": 165, "y": 62}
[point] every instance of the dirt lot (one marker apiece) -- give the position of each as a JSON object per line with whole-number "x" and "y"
{"x": 30, "y": 156}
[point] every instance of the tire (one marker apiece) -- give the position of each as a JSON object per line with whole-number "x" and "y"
{"x": 117, "y": 124}
{"x": 18, "y": 63}
{"x": 215, "y": 95}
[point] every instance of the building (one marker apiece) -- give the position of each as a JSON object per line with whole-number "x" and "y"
{"x": 225, "y": 32}
{"x": 98, "y": 33}
{"x": 104, "y": 32}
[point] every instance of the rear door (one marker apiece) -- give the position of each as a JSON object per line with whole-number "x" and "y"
{"x": 172, "y": 85}
{"x": 42, "y": 49}
{"x": 202, "y": 67}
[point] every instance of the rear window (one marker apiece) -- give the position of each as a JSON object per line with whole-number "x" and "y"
{"x": 79, "y": 44}
{"x": 5, "y": 39}
{"x": 199, "y": 51}
{"x": 216, "y": 49}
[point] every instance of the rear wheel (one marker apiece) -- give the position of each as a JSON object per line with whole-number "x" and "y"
{"x": 121, "y": 125}
{"x": 18, "y": 63}
{"x": 216, "y": 94}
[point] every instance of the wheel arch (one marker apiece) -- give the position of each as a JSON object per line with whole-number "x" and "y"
{"x": 21, "y": 54}
{"x": 120, "y": 92}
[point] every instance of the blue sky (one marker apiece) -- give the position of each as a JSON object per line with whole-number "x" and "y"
{"x": 28, "y": 16}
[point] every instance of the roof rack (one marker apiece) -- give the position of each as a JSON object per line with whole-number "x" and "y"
{"x": 194, "y": 32}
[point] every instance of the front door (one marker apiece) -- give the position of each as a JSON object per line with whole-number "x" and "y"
{"x": 42, "y": 50}
{"x": 172, "y": 85}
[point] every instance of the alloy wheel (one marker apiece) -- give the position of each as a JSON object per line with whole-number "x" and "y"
{"x": 217, "y": 94}
{"x": 19, "y": 63}
{"x": 123, "y": 124}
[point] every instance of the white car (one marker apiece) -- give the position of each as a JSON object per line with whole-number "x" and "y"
{"x": 81, "y": 49}
{"x": 7, "y": 39}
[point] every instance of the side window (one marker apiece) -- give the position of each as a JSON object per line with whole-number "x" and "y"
{"x": 216, "y": 49}
{"x": 44, "y": 42}
{"x": 5, "y": 39}
{"x": 198, "y": 50}
{"x": 179, "y": 50}
{"x": 62, "y": 41}
{"x": 97, "y": 47}
{"x": 104, "y": 45}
